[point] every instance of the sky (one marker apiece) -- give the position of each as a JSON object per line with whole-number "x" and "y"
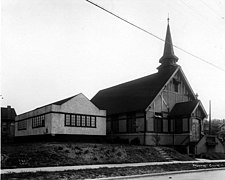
{"x": 54, "y": 49}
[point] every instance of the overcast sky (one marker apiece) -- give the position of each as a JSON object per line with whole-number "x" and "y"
{"x": 53, "y": 49}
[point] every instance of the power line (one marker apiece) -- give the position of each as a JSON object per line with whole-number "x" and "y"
{"x": 215, "y": 13}
{"x": 181, "y": 49}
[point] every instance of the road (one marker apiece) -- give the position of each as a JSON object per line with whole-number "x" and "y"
{"x": 204, "y": 175}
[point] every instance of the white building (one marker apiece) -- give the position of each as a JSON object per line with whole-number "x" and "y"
{"x": 75, "y": 115}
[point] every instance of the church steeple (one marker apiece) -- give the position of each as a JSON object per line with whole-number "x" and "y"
{"x": 168, "y": 58}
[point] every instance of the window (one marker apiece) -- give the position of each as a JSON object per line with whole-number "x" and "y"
{"x": 93, "y": 121}
{"x": 115, "y": 124}
{"x": 158, "y": 122}
{"x": 131, "y": 122}
{"x": 4, "y": 127}
{"x": 176, "y": 85}
{"x": 165, "y": 125}
{"x": 76, "y": 120}
{"x": 73, "y": 120}
{"x": 67, "y": 123}
{"x": 83, "y": 121}
{"x": 185, "y": 124}
{"x": 38, "y": 121}
{"x": 88, "y": 121}
{"x": 171, "y": 125}
{"x": 22, "y": 125}
{"x": 178, "y": 125}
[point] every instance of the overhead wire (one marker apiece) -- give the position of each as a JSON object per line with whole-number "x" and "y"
{"x": 138, "y": 27}
{"x": 212, "y": 10}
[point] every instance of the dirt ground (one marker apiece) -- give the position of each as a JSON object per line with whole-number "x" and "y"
{"x": 64, "y": 154}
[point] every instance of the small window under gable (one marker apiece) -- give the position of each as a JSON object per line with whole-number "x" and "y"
{"x": 176, "y": 85}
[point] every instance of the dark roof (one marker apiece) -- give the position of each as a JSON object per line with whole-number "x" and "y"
{"x": 184, "y": 108}
{"x": 134, "y": 95}
{"x": 63, "y": 101}
{"x": 8, "y": 113}
{"x": 58, "y": 102}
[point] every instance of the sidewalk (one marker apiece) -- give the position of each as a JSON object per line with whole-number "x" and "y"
{"x": 64, "y": 168}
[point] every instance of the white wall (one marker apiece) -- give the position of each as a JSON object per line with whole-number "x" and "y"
{"x": 78, "y": 105}
{"x": 55, "y": 119}
{"x": 28, "y": 116}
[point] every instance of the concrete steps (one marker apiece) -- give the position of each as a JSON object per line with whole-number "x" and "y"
{"x": 164, "y": 154}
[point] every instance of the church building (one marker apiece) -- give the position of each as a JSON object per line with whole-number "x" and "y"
{"x": 158, "y": 109}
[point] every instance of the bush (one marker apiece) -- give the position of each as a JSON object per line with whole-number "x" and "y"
{"x": 86, "y": 151}
{"x": 60, "y": 148}
{"x": 67, "y": 151}
{"x": 119, "y": 154}
{"x": 135, "y": 141}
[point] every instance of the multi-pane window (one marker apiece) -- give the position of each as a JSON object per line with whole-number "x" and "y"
{"x": 22, "y": 125}
{"x": 93, "y": 121}
{"x": 38, "y": 121}
{"x": 67, "y": 120}
{"x": 88, "y": 121}
{"x": 80, "y": 120}
{"x": 73, "y": 120}
{"x": 83, "y": 124}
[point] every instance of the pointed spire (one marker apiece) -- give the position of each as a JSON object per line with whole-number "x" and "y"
{"x": 168, "y": 57}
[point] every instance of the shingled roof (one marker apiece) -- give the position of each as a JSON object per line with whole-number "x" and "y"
{"x": 134, "y": 95}
{"x": 184, "y": 108}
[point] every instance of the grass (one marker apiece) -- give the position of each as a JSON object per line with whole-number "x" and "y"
{"x": 110, "y": 172}
{"x": 65, "y": 154}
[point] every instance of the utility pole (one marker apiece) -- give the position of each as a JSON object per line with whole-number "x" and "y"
{"x": 210, "y": 130}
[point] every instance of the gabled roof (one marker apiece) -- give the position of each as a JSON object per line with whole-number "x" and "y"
{"x": 186, "y": 108}
{"x": 63, "y": 100}
{"x": 134, "y": 95}
{"x": 60, "y": 102}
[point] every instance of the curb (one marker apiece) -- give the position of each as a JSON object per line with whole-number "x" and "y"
{"x": 65, "y": 168}
{"x": 159, "y": 174}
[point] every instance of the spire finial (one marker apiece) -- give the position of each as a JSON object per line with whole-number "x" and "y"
{"x": 168, "y": 18}
{"x": 168, "y": 58}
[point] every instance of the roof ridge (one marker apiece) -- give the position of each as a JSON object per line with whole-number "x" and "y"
{"x": 59, "y": 102}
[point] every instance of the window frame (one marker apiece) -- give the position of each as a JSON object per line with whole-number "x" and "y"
{"x": 79, "y": 120}
{"x": 22, "y": 126}
{"x": 38, "y": 121}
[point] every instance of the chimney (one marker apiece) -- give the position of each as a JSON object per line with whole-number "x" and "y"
{"x": 9, "y": 114}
